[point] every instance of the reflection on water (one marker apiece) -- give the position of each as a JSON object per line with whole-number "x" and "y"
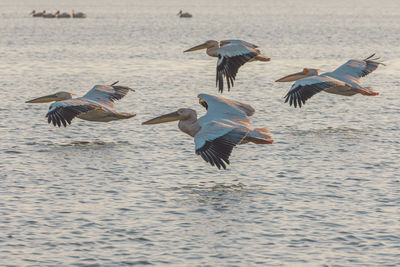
{"x": 217, "y": 194}
{"x": 330, "y": 131}
{"x": 89, "y": 143}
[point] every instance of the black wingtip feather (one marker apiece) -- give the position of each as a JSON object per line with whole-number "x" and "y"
{"x": 62, "y": 115}
{"x": 229, "y": 67}
{"x": 217, "y": 151}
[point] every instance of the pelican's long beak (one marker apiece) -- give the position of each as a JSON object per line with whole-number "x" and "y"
{"x": 45, "y": 99}
{"x": 293, "y": 77}
{"x": 174, "y": 116}
{"x": 198, "y": 47}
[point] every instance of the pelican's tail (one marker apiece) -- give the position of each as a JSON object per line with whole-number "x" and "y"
{"x": 367, "y": 91}
{"x": 123, "y": 115}
{"x": 370, "y": 91}
{"x": 261, "y": 57}
{"x": 260, "y": 136}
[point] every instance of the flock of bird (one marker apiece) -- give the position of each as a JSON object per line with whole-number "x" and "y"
{"x": 58, "y": 14}
{"x": 226, "y": 123}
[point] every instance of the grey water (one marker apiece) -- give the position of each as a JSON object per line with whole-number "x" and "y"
{"x": 326, "y": 193}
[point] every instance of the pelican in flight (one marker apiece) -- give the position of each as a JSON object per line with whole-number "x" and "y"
{"x": 225, "y": 125}
{"x": 63, "y": 15}
{"x": 345, "y": 80}
{"x": 79, "y": 15}
{"x": 232, "y": 54}
{"x": 96, "y": 105}
{"x": 182, "y": 14}
{"x": 39, "y": 14}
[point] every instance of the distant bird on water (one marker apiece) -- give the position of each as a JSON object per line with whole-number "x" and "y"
{"x": 49, "y": 15}
{"x": 63, "y": 15}
{"x": 182, "y": 14}
{"x": 96, "y": 105}
{"x": 39, "y": 14}
{"x": 225, "y": 125}
{"x": 79, "y": 15}
{"x": 232, "y": 54}
{"x": 345, "y": 80}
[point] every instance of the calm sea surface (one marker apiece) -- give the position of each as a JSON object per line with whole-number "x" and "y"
{"x": 326, "y": 193}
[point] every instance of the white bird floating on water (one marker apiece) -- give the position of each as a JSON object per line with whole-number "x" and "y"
{"x": 232, "y": 54}
{"x": 345, "y": 80}
{"x": 63, "y": 15}
{"x": 49, "y": 15}
{"x": 225, "y": 125}
{"x": 96, "y": 105}
{"x": 182, "y": 14}
{"x": 39, "y": 14}
{"x": 79, "y": 15}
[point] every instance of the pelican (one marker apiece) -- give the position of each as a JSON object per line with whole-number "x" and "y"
{"x": 49, "y": 15}
{"x": 79, "y": 15}
{"x": 232, "y": 54}
{"x": 40, "y": 14}
{"x": 225, "y": 125}
{"x": 62, "y": 15}
{"x": 182, "y": 14}
{"x": 96, "y": 105}
{"x": 345, "y": 80}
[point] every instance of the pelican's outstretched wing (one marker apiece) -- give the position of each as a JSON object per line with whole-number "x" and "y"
{"x": 304, "y": 89}
{"x": 239, "y": 42}
{"x": 222, "y": 128}
{"x": 62, "y": 112}
{"x": 230, "y": 58}
{"x": 358, "y": 68}
{"x": 107, "y": 94}
{"x": 215, "y": 141}
{"x": 220, "y": 107}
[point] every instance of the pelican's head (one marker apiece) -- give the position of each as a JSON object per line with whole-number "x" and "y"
{"x": 299, "y": 75}
{"x": 59, "y": 96}
{"x": 208, "y": 44}
{"x": 33, "y": 12}
{"x": 58, "y": 12}
{"x": 180, "y": 12}
{"x": 179, "y": 115}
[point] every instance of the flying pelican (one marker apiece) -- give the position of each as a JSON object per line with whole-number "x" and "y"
{"x": 182, "y": 14}
{"x": 62, "y": 15}
{"x": 40, "y": 14}
{"x": 96, "y": 105}
{"x": 49, "y": 15}
{"x": 345, "y": 80}
{"x": 225, "y": 125}
{"x": 232, "y": 54}
{"x": 79, "y": 15}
